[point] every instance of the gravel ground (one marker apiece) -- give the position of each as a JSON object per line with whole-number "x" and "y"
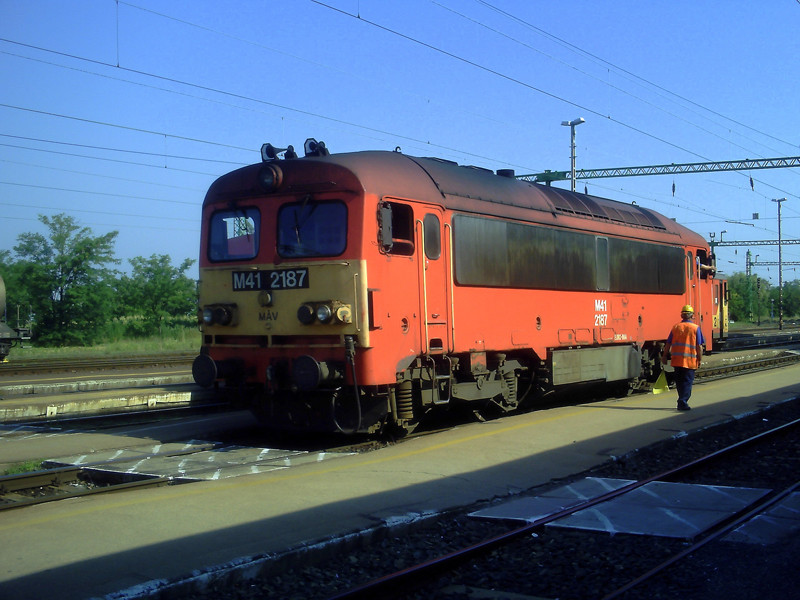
{"x": 555, "y": 563}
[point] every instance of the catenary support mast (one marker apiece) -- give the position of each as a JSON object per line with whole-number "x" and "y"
{"x": 699, "y": 167}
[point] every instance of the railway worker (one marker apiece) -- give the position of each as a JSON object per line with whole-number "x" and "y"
{"x": 685, "y": 345}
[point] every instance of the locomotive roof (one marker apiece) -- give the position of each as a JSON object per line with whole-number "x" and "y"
{"x": 481, "y": 191}
{"x": 478, "y": 190}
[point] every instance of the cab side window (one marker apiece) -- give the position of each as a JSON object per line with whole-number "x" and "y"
{"x": 432, "y": 236}
{"x": 396, "y": 228}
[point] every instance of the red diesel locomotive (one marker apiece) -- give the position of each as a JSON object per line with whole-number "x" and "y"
{"x": 358, "y": 291}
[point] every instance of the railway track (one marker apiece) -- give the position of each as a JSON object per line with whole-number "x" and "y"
{"x": 66, "y": 482}
{"x": 114, "y": 469}
{"x": 185, "y": 359}
{"x": 457, "y": 572}
{"x": 732, "y": 368}
{"x": 61, "y": 365}
{"x": 761, "y": 339}
{"x": 62, "y": 483}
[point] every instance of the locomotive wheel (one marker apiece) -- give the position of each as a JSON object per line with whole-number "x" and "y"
{"x": 621, "y": 389}
{"x": 399, "y": 429}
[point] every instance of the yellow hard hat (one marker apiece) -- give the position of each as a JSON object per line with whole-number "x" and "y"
{"x": 687, "y": 308}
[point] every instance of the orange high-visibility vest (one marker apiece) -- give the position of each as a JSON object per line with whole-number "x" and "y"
{"x": 684, "y": 345}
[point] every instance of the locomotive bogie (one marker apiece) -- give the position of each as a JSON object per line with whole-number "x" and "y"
{"x": 360, "y": 291}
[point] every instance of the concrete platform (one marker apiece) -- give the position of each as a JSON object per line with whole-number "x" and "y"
{"x": 71, "y": 401}
{"x": 95, "y": 547}
{"x": 26, "y": 397}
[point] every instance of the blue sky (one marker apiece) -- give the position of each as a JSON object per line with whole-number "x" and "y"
{"x": 121, "y": 114}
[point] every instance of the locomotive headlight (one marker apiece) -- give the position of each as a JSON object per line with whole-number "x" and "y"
{"x": 219, "y": 314}
{"x": 324, "y": 313}
{"x": 265, "y": 298}
{"x": 270, "y": 177}
{"x": 344, "y": 313}
{"x": 306, "y": 314}
{"x": 223, "y": 315}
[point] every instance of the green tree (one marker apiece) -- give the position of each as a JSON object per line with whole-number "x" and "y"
{"x": 791, "y": 299}
{"x": 749, "y": 297}
{"x": 742, "y": 294}
{"x": 157, "y": 294}
{"x": 18, "y": 302}
{"x": 66, "y": 280}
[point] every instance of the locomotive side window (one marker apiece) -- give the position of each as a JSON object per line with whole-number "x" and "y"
{"x": 601, "y": 244}
{"x": 234, "y": 234}
{"x": 645, "y": 268}
{"x": 689, "y": 266}
{"x": 396, "y": 228}
{"x": 499, "y": 253}
{"x": 311, "y": 228}
{"x": 433, "y": 237}
{"x": 492, "y": 252}
{"x": 482, "y": 258}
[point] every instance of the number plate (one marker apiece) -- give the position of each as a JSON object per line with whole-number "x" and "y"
{"x": 281, "y": 279}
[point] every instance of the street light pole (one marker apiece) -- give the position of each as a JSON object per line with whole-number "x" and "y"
{"x": 572, "y": 124}
{"x": 780, "y": 266}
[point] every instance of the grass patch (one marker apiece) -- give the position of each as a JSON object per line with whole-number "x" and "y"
{"x": 177, "y": 340}
{"x": 24, "y": 467}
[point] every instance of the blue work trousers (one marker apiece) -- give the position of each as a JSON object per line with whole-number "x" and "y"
{"x": 684, "y": 378}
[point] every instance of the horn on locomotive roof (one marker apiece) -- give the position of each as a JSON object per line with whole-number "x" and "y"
{"x": 270, "y": 152}
{"x": 314, "y": 148}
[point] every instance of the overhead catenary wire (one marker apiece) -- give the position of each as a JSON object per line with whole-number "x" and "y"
{"x": 106, "y": 159}
{"x": 124, "y": 150}
{"x": 218, "y": 90}
{"x": 101, "y": 175}
{"x": 585, "y": 73}
{"x": 359, "y": 17}
{"x": 666, "y": 92}
{"x": 260, "y": 101}
{"x": 512, "y": 79}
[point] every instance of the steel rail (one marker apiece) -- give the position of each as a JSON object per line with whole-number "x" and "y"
{"x": 747, "y": 513}
{"x": 761, "y": 364}
{"x": 60, "y": 475}
{"x": 107, "y": 489}
{"x": 33, "y": 479}
{"x": 410, "y": 577}
{"x": 95, "y": 363}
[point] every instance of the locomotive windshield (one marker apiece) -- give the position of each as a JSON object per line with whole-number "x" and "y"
{"x": 308, "y": 228}
{"x": 233, "y": 234}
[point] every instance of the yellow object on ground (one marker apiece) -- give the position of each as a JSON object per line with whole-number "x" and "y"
{"x": 661, "y": 384}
